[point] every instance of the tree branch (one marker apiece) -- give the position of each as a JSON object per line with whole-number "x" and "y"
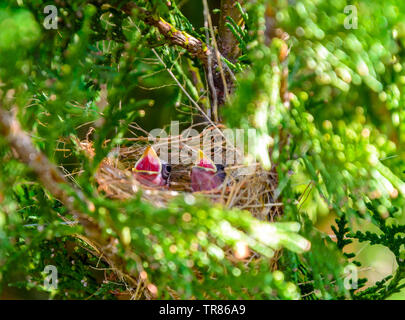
{"x": 53, "y": 180}
{"x": 48, "y": 173}
{"x": 227, "y": 43}
{"x": 194, "y": 46}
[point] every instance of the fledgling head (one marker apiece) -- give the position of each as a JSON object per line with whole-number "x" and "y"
{"x": 206, "y": 175}
{"x": 150, "y": 171}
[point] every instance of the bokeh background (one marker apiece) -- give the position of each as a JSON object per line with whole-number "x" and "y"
{"x": 357, "y": 76}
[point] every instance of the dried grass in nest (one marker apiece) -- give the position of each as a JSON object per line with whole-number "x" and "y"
{"x": 245, "y": 187}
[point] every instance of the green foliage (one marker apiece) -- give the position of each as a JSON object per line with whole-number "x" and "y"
{"x": 192, "y": 238}
{"x": 340, "y": 232}
{"x": 80, "y": 273}
{"x": 331, "y": 115}
{"x": 391, "y": 235}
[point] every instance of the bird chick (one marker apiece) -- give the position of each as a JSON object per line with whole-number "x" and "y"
{"x": 150, "y": 171}
{"x": 206, "y": 175}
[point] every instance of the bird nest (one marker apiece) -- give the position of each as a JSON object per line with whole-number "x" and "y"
{"x": 246, "y": 186}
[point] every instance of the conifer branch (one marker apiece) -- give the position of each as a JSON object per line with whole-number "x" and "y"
{"x": 211, "y": 59}
{"x": 227, "y": 42}
{"x": 194, "y": 46}
{"x": 53, "y": 180}
{"x": 49, "y": 175}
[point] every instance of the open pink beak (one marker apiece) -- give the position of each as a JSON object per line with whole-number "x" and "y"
{"x": 150, "y": 171}
{"x": 206, "y": 175}
{"x": 148, "y": 163}
{"x": 205, "y": 163}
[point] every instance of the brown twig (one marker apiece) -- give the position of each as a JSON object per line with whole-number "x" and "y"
{"x": 47, "y": 172}
{"x": 54, "y": 181}
{"x": 194, "y": 46}
{"x": 227, "y": 43}
{"x": 210, "y": 58}
{"x": 218, "y": 73}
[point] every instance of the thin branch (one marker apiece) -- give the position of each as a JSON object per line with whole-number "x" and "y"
{"x": 47, "y": 172}
{"x": 227, "y": 43}
{"x": 209, "y": 73}
{"x": 222, "y": 78}
{"x": 223, "y": 86}
{"x": 194, "y": 46}
{"x": 53, "y": 180}
{"x": 193, "y": 102}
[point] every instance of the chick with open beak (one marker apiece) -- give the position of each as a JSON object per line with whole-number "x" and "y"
{"x": 206, "y": 175}
{"x": 150, "y": 171}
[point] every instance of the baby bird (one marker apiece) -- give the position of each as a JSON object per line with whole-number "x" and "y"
{"x": 150, "y": 171}
{"x": 206, "y": 175}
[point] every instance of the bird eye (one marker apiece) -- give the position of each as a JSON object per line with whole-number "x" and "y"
{"x": 166, "y": 169}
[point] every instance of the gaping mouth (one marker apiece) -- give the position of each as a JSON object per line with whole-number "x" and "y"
{"x": 205, "y": 163}
{"x": 149, "y": 163}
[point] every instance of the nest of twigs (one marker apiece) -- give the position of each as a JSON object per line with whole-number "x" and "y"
{"x": 246, "y": 186}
